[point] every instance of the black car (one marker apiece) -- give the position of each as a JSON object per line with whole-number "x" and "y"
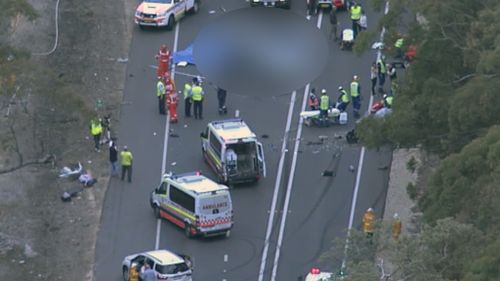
{"x": 271, "y": 3}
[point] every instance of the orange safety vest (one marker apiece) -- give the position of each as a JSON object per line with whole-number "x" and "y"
{"x": 368, "y": 222}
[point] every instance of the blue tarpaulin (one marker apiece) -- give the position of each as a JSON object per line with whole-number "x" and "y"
{"x": 184, "y": 55}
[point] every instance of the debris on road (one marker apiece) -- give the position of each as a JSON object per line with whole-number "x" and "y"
{"x": 351, "y": 168}
{"x": 71, "y": 171}
{"x": 122, "y": 60}
{"x": 173, "y": 163}
{"x": 328, "y": 173}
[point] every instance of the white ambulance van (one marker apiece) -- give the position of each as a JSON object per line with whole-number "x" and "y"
{"x": 233, "y": 151}
{"x": 195, "y": 203}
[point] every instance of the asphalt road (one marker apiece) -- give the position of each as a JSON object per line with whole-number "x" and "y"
{"x": 318, "y": 207}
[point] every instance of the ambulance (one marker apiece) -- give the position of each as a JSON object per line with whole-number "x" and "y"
{"x": 315, "y": 274}
{"x": 195, "y": 203}
{"x": 233, "y": 151}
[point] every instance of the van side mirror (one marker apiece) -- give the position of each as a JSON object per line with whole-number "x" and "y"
{"x": 203, "y": 135}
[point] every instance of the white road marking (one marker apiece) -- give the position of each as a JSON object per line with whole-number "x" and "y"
{"x": 165, "y": 140}
{"x": 292, "y": 174}
{"x": 276, "y": 187}
{"x": 361, "y": 160}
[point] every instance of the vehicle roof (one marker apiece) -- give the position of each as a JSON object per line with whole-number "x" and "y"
{"x": 232, "y": 129}
{"x": 198, "y": 183}
{"x": 165, "y": 257}
{"x": 323, "y": 276}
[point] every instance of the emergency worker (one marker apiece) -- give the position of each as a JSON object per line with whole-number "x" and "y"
{"x": 313, "y": 100}
{"x": 324, "y": 105}
{"x": 382, "y": 71}
{"x": 187, "y": 98}
{"x": 396, "y": 227}
{"x": 343, "y": 99}
{"x": 96, "y": 131}
{"x": 134, "y": 273}
{"x": 388, "y": 100}
{"x": 398, "y": 45}
{"x": 221, "y": 100}
{"x": 355, "y": 12}
{"x": 163, "y": 58}
{"x": 197, "y": 95}
{"x": 160, "y": 94}
{"x": 355, "y": 95}
{"x": 126, "y": 162}
{"x": 369, "y": 222}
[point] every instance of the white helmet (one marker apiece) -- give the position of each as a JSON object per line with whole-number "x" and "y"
{"x": 369, "y": 210}
{"x": 340, "y": 88}
{"x": 355, "y": 77}
{"x": 323, "y": 91}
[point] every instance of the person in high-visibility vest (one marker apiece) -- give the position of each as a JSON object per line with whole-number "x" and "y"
{"x": 398, "y": 45}
{"x": 171, "y": 98}
{"x": 163, "y": 58}
{"x": 355, "y": 12}
{"x": 197, "y": 95}
{"x": 355, "y": 95}
{"x": 160, "y": 94}
{"x": 396, "y": 227}
{"x": 343, "y": 99}
{"x": 382, "y": 71}
{"x": 369, "y": 222}
{"x": 187, "y": 98}
{"x": 388, "y": 100}
{"x": 96, "y": 131}
{"x": 324, "y": 105}
{"x": 133, "y": 273}
{"x": 126, "y": 160}
{"x": 313, "y": 100}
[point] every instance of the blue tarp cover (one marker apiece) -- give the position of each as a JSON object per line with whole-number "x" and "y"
{"x": 184, "y": 55}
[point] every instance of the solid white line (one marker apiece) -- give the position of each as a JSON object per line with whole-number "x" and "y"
{"x": 57, "y": 34}
{"x": 361, "y": 160}
{"x": 158, "y": 228}
{"x": 165, "y": 140}
{"x": 276, "y": 188}
{"x": 292, "y": 174}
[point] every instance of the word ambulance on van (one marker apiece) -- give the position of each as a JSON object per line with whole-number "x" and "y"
{"x": 195, "y": 203}
{"x": 233, "y": 151}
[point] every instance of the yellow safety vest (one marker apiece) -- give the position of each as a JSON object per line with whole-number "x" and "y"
{"x": 126, "y": 158}
{"x": 399, "y": 43}
{"x": 187, "y": 89}
{"x": 96, "y": 128}
{"x": 345, "y": 97}
{"x": 196, "y": 93}
{"x": 160, "y": 89}
{"x": 382, "y": 66}
{"x": 325, "y": 102}
{"x": 355, "y": 12}
{"x": 389, "y": 100}
{"x": 354, "y": 89}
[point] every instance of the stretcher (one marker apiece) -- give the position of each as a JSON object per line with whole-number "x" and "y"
{"x": 311, "y": 117}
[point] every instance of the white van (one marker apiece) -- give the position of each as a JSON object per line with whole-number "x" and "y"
{"x": 195, "y": 203}
{"x": 233, "y": 151}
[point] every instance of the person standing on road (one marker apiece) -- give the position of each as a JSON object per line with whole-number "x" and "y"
{"x": 160, "y": 94}
{"x": 313, "y": 100}
{"x": 311, "y": 8}
{"x": 369, "y": 222}
{"x": 356, "y": 96}
{"x": 126, "y": 162}
{"x": 334, "y": 22}
{"x": 381, "y": 70}
{"x": 221, "y": 99}
{"x": 113, "y": 157}
{"x": 373, "y": 76}
{"x": 324, "y": 105}
{"x": 355, "y": 13}
{"x": 197, "y": 94}
{"x": 187, "y": 98}
{"x": 133, "y": 273}
{"x": 96, "y": 131}
{"x": 149, "y": 274}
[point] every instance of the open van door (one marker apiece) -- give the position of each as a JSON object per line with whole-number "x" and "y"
{"x": 262, "y": 161}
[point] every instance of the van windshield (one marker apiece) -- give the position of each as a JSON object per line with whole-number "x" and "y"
{"x": 215, "y": 204}
{"x": 172, "y": 268}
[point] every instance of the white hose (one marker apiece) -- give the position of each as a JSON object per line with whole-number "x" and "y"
{"x": 57, "y": 34}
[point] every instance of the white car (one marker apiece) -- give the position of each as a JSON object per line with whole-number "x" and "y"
{"x": 167, "y": 265}
{"x": 163, "y": 13}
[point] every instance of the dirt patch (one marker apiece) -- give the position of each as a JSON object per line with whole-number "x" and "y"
{"x": 45, "y": 126}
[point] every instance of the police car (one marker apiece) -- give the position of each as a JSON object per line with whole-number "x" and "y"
{"x": 167, "y": 265}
